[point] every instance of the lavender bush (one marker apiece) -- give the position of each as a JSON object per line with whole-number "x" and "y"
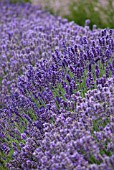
{"x": 57, "y": 92}
{"x": 21, "y": 46}
{"x": 81, "y": 139}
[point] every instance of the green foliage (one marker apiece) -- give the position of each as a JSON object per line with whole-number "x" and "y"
{"x": 19, "y": 1}
{"x": 52, "y": 120}
{"x": 98, "y": 15}
{"x": 99, "y": 123}
{"x": 93, "y": 160}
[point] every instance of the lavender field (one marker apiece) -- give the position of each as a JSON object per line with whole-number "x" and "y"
{"x": 56, "y": 92}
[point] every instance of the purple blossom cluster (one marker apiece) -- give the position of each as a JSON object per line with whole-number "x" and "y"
{"x": 81, "y": 139}
{"x": 21, "y": 46}
{"x": 28, "y": 34}
{"x": 57, "y": 92}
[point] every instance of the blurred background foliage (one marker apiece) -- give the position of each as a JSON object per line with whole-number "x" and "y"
{"x": 15, "y": 1}
{"x": 21, "y": 1}
{"x": 100, "y": 12}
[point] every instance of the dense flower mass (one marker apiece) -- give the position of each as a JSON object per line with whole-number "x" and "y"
{"x": 57, "y": 92}
{"x": 27, "y": 35}
{"x": 81, "y": 139}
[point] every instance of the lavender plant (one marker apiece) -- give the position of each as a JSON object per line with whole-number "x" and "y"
{"x": 49, "y": 68}
{"x": 21, "y": 46}
{"x": 82, "y": 139}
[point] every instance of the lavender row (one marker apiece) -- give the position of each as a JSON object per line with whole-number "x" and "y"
{"x": 28, "y": 34}
{"x": 70, "y": 59}
{"x": 81, "y": 139}
{"x": 50, "y": 83}
{"x": 24, "y": 117}
{"x": 21, "y": 46}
